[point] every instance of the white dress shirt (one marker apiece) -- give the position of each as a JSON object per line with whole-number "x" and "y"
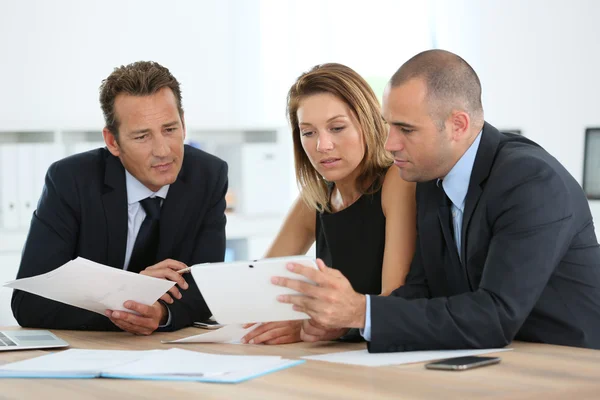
{"x": 136, "y": 192}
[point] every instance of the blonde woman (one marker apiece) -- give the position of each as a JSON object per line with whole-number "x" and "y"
{"x": 359, "y": 211}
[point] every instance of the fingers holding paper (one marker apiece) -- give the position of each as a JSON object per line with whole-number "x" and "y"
{"x": 148, "y": 320}
{"x": 274, "y": 333}
{"x": 313, "y": 332}
{"x": 168, "y": 269}
{"x": 331, "y": 304}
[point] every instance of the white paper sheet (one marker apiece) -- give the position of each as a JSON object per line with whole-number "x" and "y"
{"x": 242, "y": 292}
{"x": 228, "y": 334}
{"x": 255, "y": 372}
{"x": 173, "y": 364}
{"x": 364, "y": 358}
{"x": 187, "y": 363}
{"x": 94, "y": 287}
{"x": 76, "y": 361}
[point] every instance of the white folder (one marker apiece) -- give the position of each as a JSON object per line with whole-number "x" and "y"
{"x": 82, "y": 147}
{"x": 25, "y": 179}
{"x": 8, "y": 190}
{"x": 242, "y": 292}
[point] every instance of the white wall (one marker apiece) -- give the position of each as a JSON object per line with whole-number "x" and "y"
{"x": 539, "y": 64}
{"x": 299, "y": 34}
{"x": 55, "y": 54}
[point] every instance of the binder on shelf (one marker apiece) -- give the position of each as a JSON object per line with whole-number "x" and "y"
{"x": 256, "y": 160}
{"x": 82, "y": 147}
{"x": 25, "y": 180}
{"x": 8, "y": 187}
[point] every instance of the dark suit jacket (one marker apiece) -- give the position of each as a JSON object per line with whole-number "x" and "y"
{"x": 530, "y": 260}
{"x": 83, "y": 212}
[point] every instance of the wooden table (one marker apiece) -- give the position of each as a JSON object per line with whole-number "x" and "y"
{"x": 531, "y": 371}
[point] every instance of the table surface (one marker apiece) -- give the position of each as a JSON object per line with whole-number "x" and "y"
{"x": 530, "y": 371}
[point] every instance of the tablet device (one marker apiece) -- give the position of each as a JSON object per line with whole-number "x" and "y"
{"x": 241, "y": 292}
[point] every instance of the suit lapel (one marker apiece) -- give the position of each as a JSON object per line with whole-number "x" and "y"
{"x": 114, "y": 201}
{"x": 432, "y": 237}
{"x": 481, "y": 170}
{"x": 455, "y": 272}
{"x": 172, "y": 215}
{"x": 444, "y": 218}
{"x": 439, "y": 251}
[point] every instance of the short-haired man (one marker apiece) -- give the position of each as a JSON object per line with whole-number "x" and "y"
{"x": 146, "y": 203}
{"x": 506, "y": 247}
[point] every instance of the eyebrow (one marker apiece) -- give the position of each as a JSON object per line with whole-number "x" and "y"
{"x": 146, "y": 130}
{"x": 137, "y": 132}
{"x": 329, "y": 120}
{"x": 169, "y": 124}
{"x": 399, "y": 123}
{"x": 337, "y": 116}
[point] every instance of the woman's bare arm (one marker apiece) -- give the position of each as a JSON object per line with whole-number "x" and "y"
{"x": 400, "y": 209}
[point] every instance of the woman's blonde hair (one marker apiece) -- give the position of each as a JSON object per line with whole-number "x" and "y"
{"x": 344, "y": 83}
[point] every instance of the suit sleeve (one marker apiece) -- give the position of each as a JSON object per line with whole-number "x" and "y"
{"x": 51, "y": 242}
{"x": 210, "y": 247}
{"x": 416, "y": 285}
{"x": 531, "y": 222}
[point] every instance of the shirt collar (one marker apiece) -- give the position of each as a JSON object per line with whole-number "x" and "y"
{"x": 136, "y": 191}
{"x": 456, "y": 183}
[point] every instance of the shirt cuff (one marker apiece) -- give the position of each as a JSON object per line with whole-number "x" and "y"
{"x": 168, "y": 318}
{"x": 366, "y": 333}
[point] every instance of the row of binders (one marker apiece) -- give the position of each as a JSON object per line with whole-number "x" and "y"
{"x": 23, "y": 168}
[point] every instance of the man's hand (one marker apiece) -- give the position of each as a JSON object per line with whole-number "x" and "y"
{"x": 167, "y": 269}
{"x": 313, "y": 332}
{"x": 148, "y": 320}
{"x": 332, "y": 303}
{"x": 274, "y": 333}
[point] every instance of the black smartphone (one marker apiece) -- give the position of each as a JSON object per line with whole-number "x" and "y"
{"x": 463, "y": 363}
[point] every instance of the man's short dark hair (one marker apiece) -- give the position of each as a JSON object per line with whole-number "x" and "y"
{"x": 451, "y": 83}
{"x": 141, "y": 78}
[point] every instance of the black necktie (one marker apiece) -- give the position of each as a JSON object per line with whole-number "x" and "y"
{"x": 448, "y": 203}
{"x": 146, "y": 242}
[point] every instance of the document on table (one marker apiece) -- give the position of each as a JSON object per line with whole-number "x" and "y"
{"x": 73, "y": 363}
{"x": 228, "y": 334}
{"x": 241, "y": 292}
{"x": 93, "y": 286}
{"x": 172, "y": 364}
{"x": 364, "y": 358}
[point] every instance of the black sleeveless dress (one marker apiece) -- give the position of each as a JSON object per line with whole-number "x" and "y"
{"x": 352, "y": 240}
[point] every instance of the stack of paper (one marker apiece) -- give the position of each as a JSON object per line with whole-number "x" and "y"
{"x": 172, "y": 364}
{"x": 93, "y": 286}
{"x": 231, "y": 334}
